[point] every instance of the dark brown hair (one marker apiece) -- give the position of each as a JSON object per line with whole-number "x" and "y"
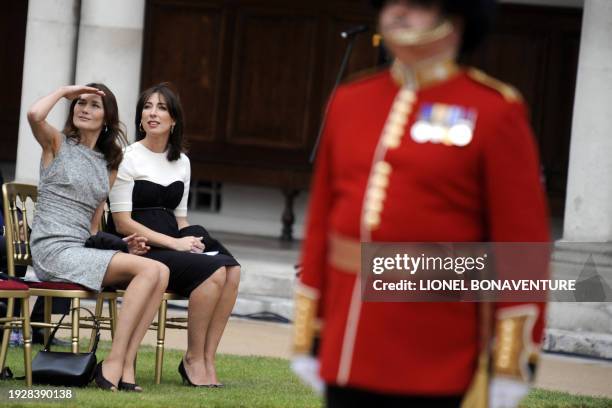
{"x": 112, "y": 137}
{"x": 176, "y": 143}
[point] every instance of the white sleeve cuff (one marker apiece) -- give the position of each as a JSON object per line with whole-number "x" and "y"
{"x": 180, "y": 212}
{"x": 121, "y": 207}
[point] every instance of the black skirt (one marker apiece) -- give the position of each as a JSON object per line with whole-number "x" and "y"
{"x": 187, "y": 269}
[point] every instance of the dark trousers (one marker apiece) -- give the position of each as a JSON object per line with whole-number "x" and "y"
{"x": 341, "y": 397}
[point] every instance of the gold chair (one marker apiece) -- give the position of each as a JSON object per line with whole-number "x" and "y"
{"x": 23, "y": 197}
{"x": 12, "y": 290}
{"x": 163, "y": 322}
{"x": 160, "y": 326}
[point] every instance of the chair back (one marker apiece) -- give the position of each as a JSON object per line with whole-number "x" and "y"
{"x": 103, "y": 226}
{"x": 19, "y": 207}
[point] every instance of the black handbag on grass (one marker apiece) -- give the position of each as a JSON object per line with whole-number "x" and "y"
{"x": 64, "y": 368}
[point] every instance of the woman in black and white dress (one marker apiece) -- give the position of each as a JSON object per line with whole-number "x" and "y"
{"x": 150, "y": 198}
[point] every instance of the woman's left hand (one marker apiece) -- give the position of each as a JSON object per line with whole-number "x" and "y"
{"x": 137, "y": 245}
{"x": 198, "y": 246}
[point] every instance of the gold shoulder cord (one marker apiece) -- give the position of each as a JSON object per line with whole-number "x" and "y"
{"x": 510, "y": 93}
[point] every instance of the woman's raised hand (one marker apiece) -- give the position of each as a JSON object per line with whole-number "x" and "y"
{"x": 137, "y": 245}
{"x": 189, "y": 244}
{"x": 73, "y": 91}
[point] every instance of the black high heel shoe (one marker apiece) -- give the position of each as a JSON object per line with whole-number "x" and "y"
{"x": 102, "y": 382}
{"x": 185, "y": 377}
{"x": 130, "y": 387}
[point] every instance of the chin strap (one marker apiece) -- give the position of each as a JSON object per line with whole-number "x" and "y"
{"x": 412, "y": 37}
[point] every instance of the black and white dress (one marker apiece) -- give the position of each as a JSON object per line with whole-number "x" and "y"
{"x": 155, "y": 191}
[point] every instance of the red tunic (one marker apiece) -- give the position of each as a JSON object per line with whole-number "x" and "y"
{"x": 488, "y": 190}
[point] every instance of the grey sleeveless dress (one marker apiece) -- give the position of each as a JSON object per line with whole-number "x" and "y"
{"x": 69, "y": 192}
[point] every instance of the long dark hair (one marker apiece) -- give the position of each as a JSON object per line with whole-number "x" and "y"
{"x": 112, "y": 137}
{"x": 176, "y": 143}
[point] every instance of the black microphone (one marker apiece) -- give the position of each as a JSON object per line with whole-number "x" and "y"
{"x": 354, "y": 31}
{"x": 350, "y": 36}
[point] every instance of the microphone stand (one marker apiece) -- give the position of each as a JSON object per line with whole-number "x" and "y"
{"x": 343, "y": 66}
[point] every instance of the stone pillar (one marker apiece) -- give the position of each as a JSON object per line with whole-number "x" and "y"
{"x": 110, "y": 50}
{"x": 48, "y": 64}
{"x": 588, "y": 207}
{"x": 586, "y": 328}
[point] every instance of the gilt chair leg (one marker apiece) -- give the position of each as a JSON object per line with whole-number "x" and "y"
{"x": 76, "y": 302}
{"x": 47, "y": 317}
{"x": 112, "y": 312}
{"x": 7, "y": 332}
{"x": 98, "y": 314}
{"x": 27, "y": 340}
{"x": 161, "y": 335}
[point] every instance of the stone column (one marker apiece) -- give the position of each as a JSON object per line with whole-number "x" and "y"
{"x": 588, "y": 209}
{"x": 48, "y": 64}
{"x": 110, "y": 50}
{"x": 586, "y": 328}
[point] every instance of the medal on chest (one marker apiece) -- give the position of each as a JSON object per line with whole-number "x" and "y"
{"x": 450, "y": 125}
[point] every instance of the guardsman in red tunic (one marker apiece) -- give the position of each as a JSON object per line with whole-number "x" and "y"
{"x": 426, "y": 151}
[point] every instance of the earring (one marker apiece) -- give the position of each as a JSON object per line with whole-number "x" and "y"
{"x": 376, "y": 40}
{"x": 105, "y": 129}
{"x": 141, "y": 128}
{"x": 172, "y": 129}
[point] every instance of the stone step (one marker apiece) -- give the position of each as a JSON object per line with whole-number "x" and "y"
{"x": 253, "y": 304}
{"x": 267, "y": 265}
{"x": 267, "y": 279}
{"x": 249, "y": 305}
{"x": 596, "y": 345}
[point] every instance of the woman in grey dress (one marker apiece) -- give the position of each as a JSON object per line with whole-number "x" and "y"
{"x": 78, "y": 167}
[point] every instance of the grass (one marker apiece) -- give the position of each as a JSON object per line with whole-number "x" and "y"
{"x": 538, "y": 398}
{"x": 250, "y": 382}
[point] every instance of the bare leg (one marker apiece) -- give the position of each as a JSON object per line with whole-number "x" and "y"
{"x": 202, "y": 302}
{"x": 142, "y": 278}
{"x": 219, "y": 320}
{"x": 147, "y": 317}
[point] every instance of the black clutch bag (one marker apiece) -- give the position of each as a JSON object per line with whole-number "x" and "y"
{"x": 104, "y": 240}
{"x": 63, "y": 368}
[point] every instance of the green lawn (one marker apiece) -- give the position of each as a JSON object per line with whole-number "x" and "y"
{"x": 549, "y": 399}
{"x": 250, "y": 382}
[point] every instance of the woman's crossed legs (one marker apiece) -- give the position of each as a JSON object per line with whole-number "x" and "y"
{"x": 145, "y": 282}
